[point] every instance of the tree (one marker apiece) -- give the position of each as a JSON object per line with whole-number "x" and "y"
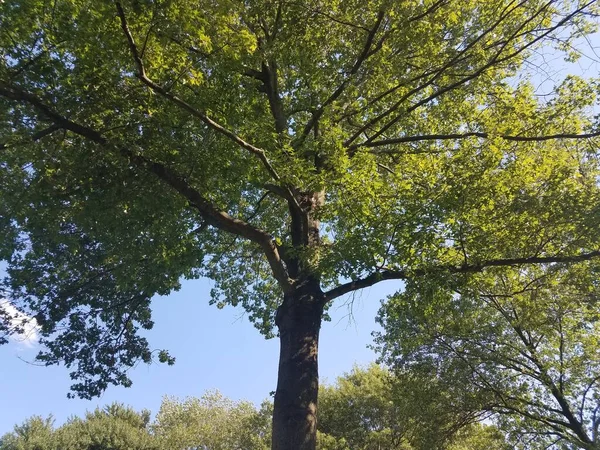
{"x": 480, "y": 437}
{"x": 115, "y": 427}
{"x": 293, "y": 152}
{"x": 34, "y": 434}
{"x": 359, "y": 409}
{"x": 374, "y": 408}
{"x": 212, "y": 422}
{"x": 525, "y": 339}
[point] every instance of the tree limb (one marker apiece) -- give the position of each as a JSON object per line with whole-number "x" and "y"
{"x": 495, "y": 60}
{"x": 461, "y": 56}
{"x": 477, "y": 134}
{"x": 364, "y": 55}
{"x": 35, "y": 137}
{"x": 383, "y": 275}
{"x": 142, "y": 76}
{"x": 215, "y": 217}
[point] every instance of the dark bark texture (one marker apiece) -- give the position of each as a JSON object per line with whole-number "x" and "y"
{"x": 295, "y": 409}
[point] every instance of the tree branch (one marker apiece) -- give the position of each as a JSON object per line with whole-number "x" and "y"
{"x": 141, "y": 75}
{"x": 383, "y": 275}
{"x": 213, "y": 216}
{"x": 575, "y": 425}
{"x": 459, "y": 57}
{"x": 477, "y": 134}
{"x": 495, "y": 60}
{"x": 270, "y": 86}
{"x": 364, "y": 55}
{"x": 35, "y": 137}
{"x": 425, "y": 13}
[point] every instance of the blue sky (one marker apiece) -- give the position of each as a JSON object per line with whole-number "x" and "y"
{"x": 215, "y": 349}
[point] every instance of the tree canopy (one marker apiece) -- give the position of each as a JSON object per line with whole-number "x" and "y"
{"x": 213, "y": 422}
{"x": 525, "y": 340}
{"x": 291, "y": 151}
{"x": 373, "y": 408}
{"x": 116, "y": 427}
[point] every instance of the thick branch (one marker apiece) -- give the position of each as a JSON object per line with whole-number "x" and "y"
{"x": 383, "y": 275}
{"x": 141, "y": 74}
{"x": 270, "y": 86}
{"x": 215, "y": 217}
{"x": 260, "y": 153}
{"x": 477, "y": 134}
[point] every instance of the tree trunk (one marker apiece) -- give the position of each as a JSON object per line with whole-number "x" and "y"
{"x": 295, "y": 408}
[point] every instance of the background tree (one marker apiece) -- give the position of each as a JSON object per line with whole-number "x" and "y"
{"x": 375, "y": 415}
{"x": 212, "y": 422}
{"x": 372, "y": 409}
{"x": 115, "y": 427}
{"x": 291, "y": 151}
{"x": 477, "y": 436}
{"x": 36, "y": 433}
{"x": 525, "y": 339}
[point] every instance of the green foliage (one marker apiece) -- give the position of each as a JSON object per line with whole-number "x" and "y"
{"x": 480, "y": 437}
{"x": 263, "y": 144}
{"x": 373, "y": 408}
{"x": 115, "y": 427}
{"x": 328, "y": 442}
{"x": 524, "y": 339}
{"x": 359, "y": 409}
{"x": 366, "y": 409}
{"x": 212, "y": 422}
{"x": 35, "y": 433}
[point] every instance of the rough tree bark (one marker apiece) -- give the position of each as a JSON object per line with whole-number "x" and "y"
{"x": 295, "y": 409}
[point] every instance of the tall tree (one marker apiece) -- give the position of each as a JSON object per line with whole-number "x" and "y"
{"x": 292, "y": 151}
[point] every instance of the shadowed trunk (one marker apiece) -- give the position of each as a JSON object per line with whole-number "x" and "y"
{"x": 295, "y": 409}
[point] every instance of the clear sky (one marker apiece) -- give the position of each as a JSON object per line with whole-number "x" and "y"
{"x": 215, "y": 349}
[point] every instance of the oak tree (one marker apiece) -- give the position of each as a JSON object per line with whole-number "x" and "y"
{"x": 291, "y": 151}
